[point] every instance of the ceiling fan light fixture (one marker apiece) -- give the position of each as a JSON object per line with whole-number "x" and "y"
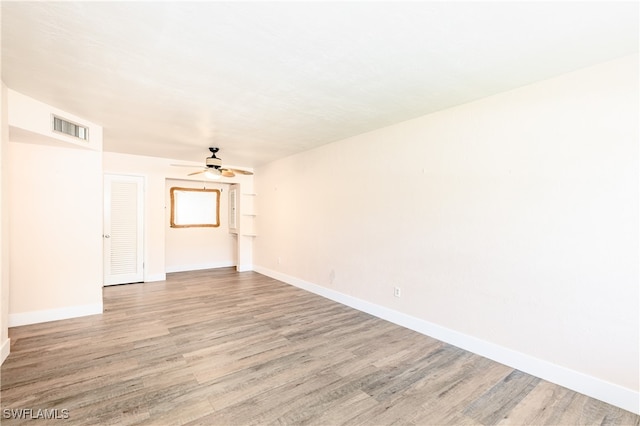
{"x": 213, "y": 174}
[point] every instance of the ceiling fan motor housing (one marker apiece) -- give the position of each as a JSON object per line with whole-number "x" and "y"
{"x": 214, "y": 162}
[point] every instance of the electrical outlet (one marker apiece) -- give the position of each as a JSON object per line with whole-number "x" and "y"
{"x": 396, "y": 291}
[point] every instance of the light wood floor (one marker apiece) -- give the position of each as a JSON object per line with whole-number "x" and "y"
{"x": 219, "y": 347}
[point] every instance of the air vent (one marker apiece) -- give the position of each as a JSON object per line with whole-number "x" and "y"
{"x": 72, "y": 129}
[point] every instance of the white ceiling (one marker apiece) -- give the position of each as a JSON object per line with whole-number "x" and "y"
{"x": 263, "y": 80}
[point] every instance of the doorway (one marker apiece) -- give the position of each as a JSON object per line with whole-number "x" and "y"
{"x": 199, "y": 247}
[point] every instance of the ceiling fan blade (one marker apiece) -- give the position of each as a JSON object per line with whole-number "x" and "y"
{"x": 227, "y": 173}
{"x": 242, "y": 172}
{"x": 196, "y": 173}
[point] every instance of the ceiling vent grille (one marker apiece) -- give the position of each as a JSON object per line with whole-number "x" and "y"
{"x": 72, "y": 129}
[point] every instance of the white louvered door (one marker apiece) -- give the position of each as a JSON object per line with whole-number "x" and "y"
{"x": 123, "y": 229}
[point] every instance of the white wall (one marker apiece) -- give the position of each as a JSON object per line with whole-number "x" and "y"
{"x": 510, "y": 225}
{"x": 31, "y": 121}
{"x": 4, "y": 219}
{"x": 4, "y": 225}
{"x": 189, "y": 249}
{"x": 56, "y": 232}
{"x": 55, "y": 208}
{"x": 156, "y": 171}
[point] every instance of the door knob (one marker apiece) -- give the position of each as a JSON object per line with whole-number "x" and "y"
{"x": 107, "y": 236}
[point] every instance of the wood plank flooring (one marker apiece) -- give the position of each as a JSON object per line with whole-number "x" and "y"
{"x": 218, "y": 347}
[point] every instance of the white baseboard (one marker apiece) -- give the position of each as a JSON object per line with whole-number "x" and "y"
{"x": 154, "y": 277}
{"x": 610, "y": 393}
{"x": 4, "y": 350}
{"x": 244, "y": 268}
{"x": 35, "y": 317}
{"x": 199, "y": 267}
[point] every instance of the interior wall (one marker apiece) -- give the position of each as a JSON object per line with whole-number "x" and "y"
{"x": 30, "y": 122}
{"x": 189, "y": 249}
{"x": 5, "y": 343}
{"x": 511, "y": 221}
{"x": 56, "y": 232}
{"x": 4, "y": 226}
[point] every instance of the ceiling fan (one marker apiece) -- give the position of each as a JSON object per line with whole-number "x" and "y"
{"x": 213, "y": 167}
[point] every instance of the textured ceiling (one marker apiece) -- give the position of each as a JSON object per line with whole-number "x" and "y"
{"x": 263, "y": 80}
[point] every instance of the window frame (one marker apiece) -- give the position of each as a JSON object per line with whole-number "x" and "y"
{"x": 174, "y": 206}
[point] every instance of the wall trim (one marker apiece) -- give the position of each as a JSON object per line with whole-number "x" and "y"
{"x": 245, "y": 268}
{"x": 35, "y": 317}
{"x": 155, "y": 277}
{"x": 4, "y": 350}
{"x": 199, "y": 267}
{"x": 610, "y": 393}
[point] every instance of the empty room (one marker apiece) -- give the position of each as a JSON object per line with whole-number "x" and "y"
{"x": 329, "y": 213}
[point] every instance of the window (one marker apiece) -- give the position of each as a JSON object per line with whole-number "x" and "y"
{"x": 192, "y": 207}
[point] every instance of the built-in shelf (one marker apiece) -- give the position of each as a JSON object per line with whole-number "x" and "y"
{"x": 248, "y": 222}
